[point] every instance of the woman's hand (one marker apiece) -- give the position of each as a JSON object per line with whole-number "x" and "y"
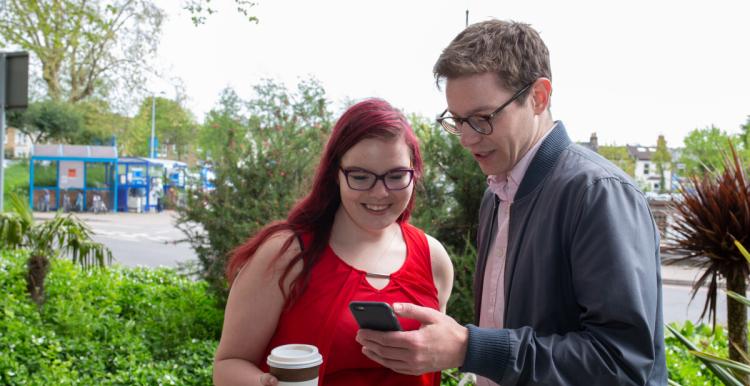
{"x": 267, "y": 379}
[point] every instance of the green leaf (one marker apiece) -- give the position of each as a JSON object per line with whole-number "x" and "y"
{"x": 739, "y": 298}
{"x": 719, "y": 371}
{"x": 722, "y": 361}
{"x": 743, "y": 251}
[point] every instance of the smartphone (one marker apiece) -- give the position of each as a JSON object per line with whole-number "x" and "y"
{"x": 375, "y": 316}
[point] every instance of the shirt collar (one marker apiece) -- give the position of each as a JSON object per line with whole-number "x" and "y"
{"x": 505, "y": 186}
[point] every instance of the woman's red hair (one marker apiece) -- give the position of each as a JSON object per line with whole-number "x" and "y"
{"x": 313, "y": 215}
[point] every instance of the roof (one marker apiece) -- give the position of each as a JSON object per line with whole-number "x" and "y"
{"x": 74, "y": 152}
{"x": 642, "y": 153}
{"x": 155, "y": 162}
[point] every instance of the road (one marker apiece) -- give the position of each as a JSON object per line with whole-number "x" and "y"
{"x": 677, "y": 306}
{"x": 148, "y": 239}
{"x": 138, "y": 239}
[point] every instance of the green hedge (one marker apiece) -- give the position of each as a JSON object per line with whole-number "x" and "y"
{"x": 119, "y": 326}
{"x": 683, "y": 367}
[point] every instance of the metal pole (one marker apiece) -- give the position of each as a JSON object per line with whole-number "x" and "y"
{"x": 2, "y": 130}
{"x": 153, "y": 126}
{"x": 467, "y": 17}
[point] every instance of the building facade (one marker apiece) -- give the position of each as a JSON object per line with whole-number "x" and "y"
{"x": 17, "y": 144}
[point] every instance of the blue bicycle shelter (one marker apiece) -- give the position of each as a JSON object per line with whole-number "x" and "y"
{"x": 142, "y": 180}
{"x": 72, "y": 190}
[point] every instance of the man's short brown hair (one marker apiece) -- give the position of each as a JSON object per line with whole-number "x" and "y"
{"x": 514, "y": 51}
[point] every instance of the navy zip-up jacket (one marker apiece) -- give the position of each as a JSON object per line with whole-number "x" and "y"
{"x": 583, "y": 299}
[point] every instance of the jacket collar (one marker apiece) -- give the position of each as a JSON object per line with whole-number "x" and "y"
{"x": 545, "y": 158}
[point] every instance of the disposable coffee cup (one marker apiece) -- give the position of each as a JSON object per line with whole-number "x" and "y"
{"x": 295, "y": 364}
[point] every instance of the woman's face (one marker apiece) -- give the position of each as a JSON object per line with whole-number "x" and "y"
{"x": 378, "y": 207}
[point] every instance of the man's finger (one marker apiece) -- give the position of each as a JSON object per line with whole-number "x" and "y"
{"x": 423, "y": 315}
{"x": 385, "y": 351}
{"x": 381, "y": 338}
{"x": 395, "y": 365}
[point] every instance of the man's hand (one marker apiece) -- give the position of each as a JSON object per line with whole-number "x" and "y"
{"x": 440, "y": 343}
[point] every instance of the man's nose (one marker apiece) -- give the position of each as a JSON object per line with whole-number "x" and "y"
{"x": 468, "y": 135}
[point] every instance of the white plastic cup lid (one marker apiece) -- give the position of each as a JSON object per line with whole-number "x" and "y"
{"x": 294, "y": 356}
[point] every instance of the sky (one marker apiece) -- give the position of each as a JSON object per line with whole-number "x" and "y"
{"x": 628, "y": 71}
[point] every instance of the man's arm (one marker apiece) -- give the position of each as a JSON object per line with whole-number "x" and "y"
{"x": 615, "y": 273}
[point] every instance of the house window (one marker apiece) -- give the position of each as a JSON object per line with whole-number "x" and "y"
{"x": 645, "y": 168}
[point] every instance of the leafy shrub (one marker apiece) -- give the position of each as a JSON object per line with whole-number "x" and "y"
{"x": 461, "y": 301}
{"x": 118, "y": 326}
{"x": 262, "y": 161}
{"x": 447, "y": 206}
{"x": 683, "y": 367}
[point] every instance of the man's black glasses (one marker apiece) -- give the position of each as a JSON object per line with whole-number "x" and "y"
{"x": 480, "y": 123}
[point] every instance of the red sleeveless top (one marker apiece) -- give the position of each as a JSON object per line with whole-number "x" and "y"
{"x": 321, "y": 315}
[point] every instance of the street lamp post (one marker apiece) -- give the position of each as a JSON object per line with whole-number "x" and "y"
{"x": 153, "y": 127}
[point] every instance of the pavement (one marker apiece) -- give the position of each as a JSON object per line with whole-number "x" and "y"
{"x": 681, "y": 275}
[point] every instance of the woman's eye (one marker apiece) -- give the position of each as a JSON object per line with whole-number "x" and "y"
{"x": 396, "y": 176}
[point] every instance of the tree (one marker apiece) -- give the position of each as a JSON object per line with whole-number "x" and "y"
{"x": 100, "y": 123}
{"x": 48, "y": 120}
{"x": 663, "y": 160}
{"x": 86, "y": 123}
{"x": 704, "y": 148}
{"x": 175, "y": 129}
{"x": 712, "y": 215}
{"x": 226, "y": 120}
{"x": 63, "y": 235}
{"x": 201, "y": 9}
{"x": 85, "y": 47}
{"x": 267, "y": 159}
{"x": 619, "y": 156}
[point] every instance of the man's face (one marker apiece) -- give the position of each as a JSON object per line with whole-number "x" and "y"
{"x": 514, "y": 129}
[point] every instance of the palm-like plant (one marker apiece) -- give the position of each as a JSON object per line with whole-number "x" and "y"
{"x": 713, "y": 214}
{"x": 731, "y": 373}
{"x": 61, "y": 236}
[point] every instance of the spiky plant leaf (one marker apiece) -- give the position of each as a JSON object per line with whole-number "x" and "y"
{"x": 743, "y": 251}
{"x": 724, "y": 362}
{"x": 739, "y": 298}
{"x": 713, "y": 213}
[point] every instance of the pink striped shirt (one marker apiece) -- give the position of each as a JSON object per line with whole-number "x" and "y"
{"x": 493, "y": 292}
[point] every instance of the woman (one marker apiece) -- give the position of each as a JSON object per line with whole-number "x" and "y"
{"x": 348, "y": 239}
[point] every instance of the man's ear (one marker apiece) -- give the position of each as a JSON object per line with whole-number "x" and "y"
{"x": 541, "y": 92}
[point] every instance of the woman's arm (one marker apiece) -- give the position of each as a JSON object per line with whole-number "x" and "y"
{"x": 253, "y": 308}
{"x": 442, "y": 271}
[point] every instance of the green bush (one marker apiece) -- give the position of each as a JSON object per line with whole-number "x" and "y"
{"x": 263, "y": 163}
{"x": 461, "y": 301}
{"x": 683, "y": 367}
{"x": 447, "y": 206}
{"x": 118, "y": 326}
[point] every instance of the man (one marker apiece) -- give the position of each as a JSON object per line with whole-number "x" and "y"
{"x": 567, "y": 284}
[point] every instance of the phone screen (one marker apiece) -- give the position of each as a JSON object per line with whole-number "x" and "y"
{"x": 375, "y": 316}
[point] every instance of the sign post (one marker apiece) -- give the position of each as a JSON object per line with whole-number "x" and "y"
{"x": 14, "y": 94}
